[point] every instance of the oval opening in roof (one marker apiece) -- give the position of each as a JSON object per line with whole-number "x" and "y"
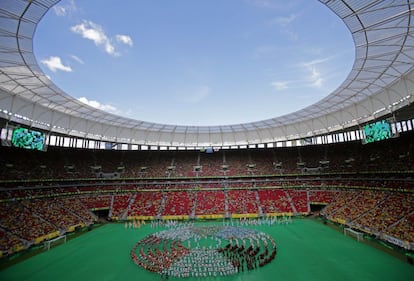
{"x": 195, "y": 62}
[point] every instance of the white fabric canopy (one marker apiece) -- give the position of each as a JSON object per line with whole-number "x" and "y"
{"x": 381, "y": 81}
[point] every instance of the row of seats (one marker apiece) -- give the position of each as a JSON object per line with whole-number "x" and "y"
{"x": 389, "y": 213}
{"x": 60, "y": 163}
{"x": 23, "y": 221}
{"x": 42, "y": 192}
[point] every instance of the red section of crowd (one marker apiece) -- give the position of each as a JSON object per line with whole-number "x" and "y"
{"x": 179, "y": 203}
{"x": 146, "y": 204}
{"x": 210, "y": 202}
{"x": 390, "y": 213}
{"x": 242, "y": 202}
{"x": 275, "y": 201}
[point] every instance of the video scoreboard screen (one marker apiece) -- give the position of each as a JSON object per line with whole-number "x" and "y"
{"x": 28, "y": 139}
{"x": 378, "y": 131}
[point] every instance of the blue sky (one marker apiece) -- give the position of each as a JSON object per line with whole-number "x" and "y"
{"x": 195, "y": 62}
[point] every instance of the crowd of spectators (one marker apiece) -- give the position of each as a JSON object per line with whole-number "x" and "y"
{"x": 210, "y": 202}
{"x": 146, "y": 204}
{"x": 120, "y": 205}
{"x": 403, "y": 229}
{"x": 23, "y": 222}
{"x": 179, "y": 203}
{"x": 386, "y": 212}
{"x": 368, "y": 186}
{"x": 275, "y": 201}
{"x": 242, "y": 201}
{"x": 94, "y": 202}
{"x": 362, "y": 203}
{"x": 9, "y": 243}
{"x": 377, "y": 212}
{"x": 59, "y": 163}
{"x": 299, "y": 199}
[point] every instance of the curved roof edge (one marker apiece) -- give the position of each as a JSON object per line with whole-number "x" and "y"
{"x": 381, "y": 82}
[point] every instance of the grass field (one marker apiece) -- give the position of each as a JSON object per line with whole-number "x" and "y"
{"x": 307, "y": 250}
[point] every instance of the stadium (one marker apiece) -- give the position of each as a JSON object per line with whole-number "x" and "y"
{"x": 322, "y": 193}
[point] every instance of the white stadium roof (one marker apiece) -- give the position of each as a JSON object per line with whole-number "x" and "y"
{"x": 381, "y": 82}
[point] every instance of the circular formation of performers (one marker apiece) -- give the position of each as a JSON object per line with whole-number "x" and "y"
{"x": 204, "y": 251}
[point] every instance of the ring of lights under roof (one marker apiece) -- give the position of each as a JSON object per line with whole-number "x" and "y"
{"x": 380, "y": 83}
{"x": 204, "y": 251}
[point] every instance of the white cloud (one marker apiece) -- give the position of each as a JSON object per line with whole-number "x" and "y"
{"x": 317, "y": 61}
{"x": 284, "y": 21}
{"x": 279, "y": 85}
{"x": 315, "y": 77}
{"x": 63, "y": 10}
{"x": 94, "y": 32}
{"x": 275, "y": 4}
{"x": 310, "y": 74}
{"x": 284, "y": 24}
{"x": 125, "y": 39}
{"x": 264, "y": 3}
{"x": 55, "y": 63}
{"x": 98, "y": 105}
{"x": 76, "y": 58}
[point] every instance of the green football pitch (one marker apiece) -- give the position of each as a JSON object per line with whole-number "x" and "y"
{"x": 307, "y": 250}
